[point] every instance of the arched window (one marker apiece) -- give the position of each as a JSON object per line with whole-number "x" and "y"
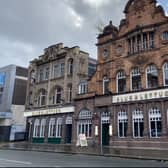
{"x": 83, "y": 87}
{"x": 152, "y": 76}
{"x": 121, "y": 82}
{"x": 42, "y": 128}
{"x": 70, "y": 67}
{"x": 69, "y": 120}
{"x": 165, "y": 74}
{"x": 122, "y": 124}
{"x": 42, "y": 97}
{"x": 57, "y": 98}
{"x": 69, "y": 94}
{"x": 105, "y": 85}
{"x": 138, "y": 123}
{"x": 155, "y": 125}
{"x": 165, "y": 35}
{"x": 84, "y": 124}
{"x": 59, "y": 128}
{"x": 135, "y": 79}
{"x": 52, "y": 128}
{"x": 36, "y": 131}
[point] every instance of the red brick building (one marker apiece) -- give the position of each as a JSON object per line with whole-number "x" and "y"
{"x": 127, "y": 99}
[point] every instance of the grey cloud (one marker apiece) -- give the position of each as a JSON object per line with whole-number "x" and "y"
{"x": 29, "y": 26}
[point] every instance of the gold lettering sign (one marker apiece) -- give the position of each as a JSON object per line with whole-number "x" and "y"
{"x": 150, "y": 95}
{"x": 141, "y": 96}
{"x": 166, "y": 93}
{"x": 146, "y": 96}
{"x": 155, "y": 94}
{"x": 160, "y": 94}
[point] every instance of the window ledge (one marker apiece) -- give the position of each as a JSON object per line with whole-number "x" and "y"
{"x": 70, "y": 75}
{"x": 57, "y": 78}
{"x": 165, "y": 41}
{"x": 140, "y": 52}
{"x": 41, "y": 107}
{"x": 41, "y": 82}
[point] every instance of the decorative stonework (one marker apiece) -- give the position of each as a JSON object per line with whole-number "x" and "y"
{"x": 139, "y": 60}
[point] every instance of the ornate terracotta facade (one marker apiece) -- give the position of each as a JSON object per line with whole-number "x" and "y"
{"x": 128, "y": 94}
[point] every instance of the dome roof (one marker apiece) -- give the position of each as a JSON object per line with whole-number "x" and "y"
{"x": 110, "y": 28}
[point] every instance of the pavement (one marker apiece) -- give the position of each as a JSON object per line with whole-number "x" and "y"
{"x": 159, "y": 154}
{"x": 16, "y": 158}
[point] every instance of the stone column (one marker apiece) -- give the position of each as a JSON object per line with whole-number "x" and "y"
{"x": 160, "y": 77}
{"x": 129, "y": 130}
{"x": 128, "y": 82}
{"x": 96, "y": 123}
{"x": 142, "y": 42}
{"x": 148, "y": 41}
{"x": 63, "y": 129}
{"x": 49, "y": 84}
{"x": 135, "y": 44}
{"x": 112, "y": 122}
{"x": 74, "y": 129}
{"x": 30, "y": 136}
{"x": 143, "y": 79}
{"x": 164, "y": 120}
{"x": 146, "y": 121}
{"x": 115, "y": 123}
{"x": 46, "y": 130}
{"x": 131, "y": 51}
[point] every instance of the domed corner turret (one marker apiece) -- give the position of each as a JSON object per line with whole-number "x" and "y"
{"x": 110, "y": 29}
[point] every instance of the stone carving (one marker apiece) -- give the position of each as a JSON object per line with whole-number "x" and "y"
{"x": 119, "y": 64}
{"x": 139, "y": 60}
{"x": 139, "y": 6}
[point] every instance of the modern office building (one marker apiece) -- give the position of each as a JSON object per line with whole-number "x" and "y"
{"x": 127, "y": 100}
{"x": 13, "y": 83}
{"x": 55, "y": 78}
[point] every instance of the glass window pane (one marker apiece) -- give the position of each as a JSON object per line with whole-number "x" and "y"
{"x": 136, "y": 83}
{"x": 136, "y": 129}
{"x": 141, "y": 129}
{"x": 153, "y": 129}
{"x": 125, "y": 129}
{"x": 120, "y": 129}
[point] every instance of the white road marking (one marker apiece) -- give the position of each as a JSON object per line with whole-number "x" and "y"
{"x": 16, "y": 161}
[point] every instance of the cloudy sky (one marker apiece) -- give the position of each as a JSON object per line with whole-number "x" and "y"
{"x": 29, "y": 26}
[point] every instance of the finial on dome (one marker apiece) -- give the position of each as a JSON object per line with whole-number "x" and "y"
{"x": 110, "y": 23}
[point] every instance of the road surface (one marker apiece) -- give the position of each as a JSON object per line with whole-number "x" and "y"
{"x": 11, "y": 158}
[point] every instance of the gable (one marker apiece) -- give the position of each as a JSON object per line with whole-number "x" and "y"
{"x": 141, "y": 13}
